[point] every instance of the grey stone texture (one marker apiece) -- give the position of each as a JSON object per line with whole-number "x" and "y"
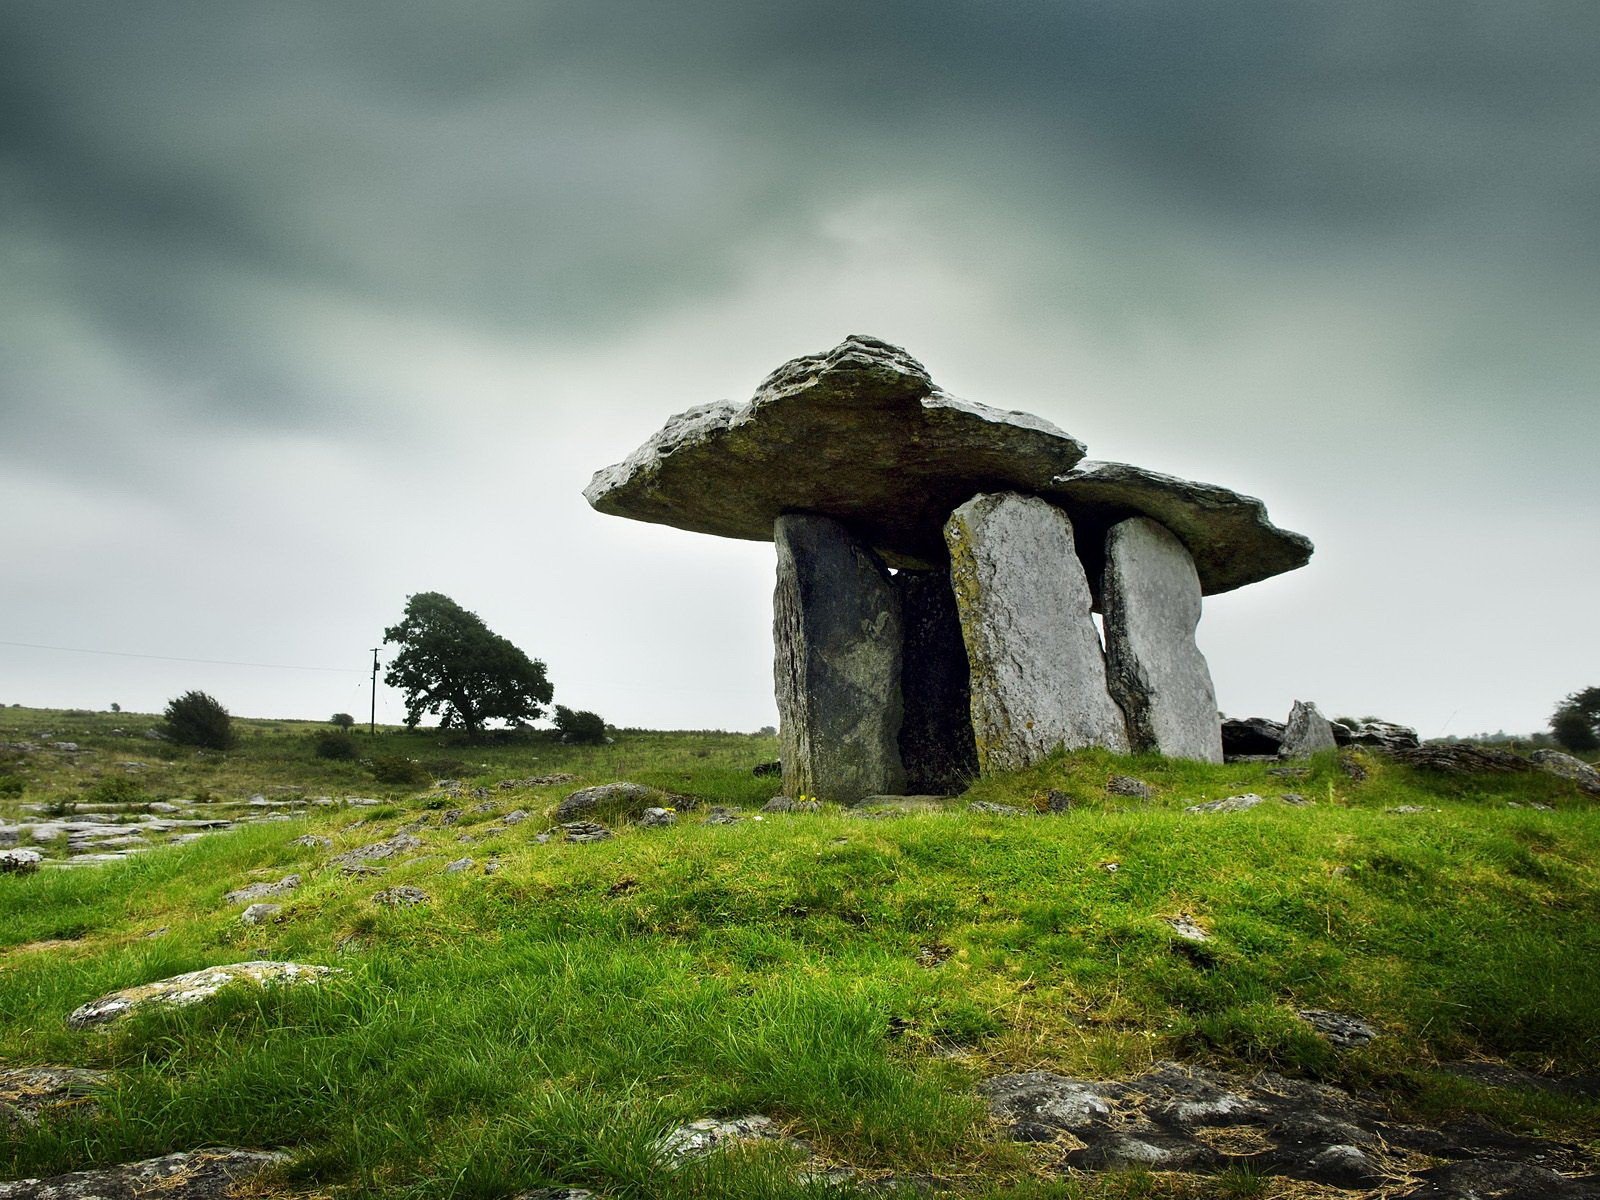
{"x": 192, "y": 988}
{"x": 1306, "y": 732}
{"x": 859, "y": 432}
{"x": 936, "y": 743}
{"x": 1038, "y": 674}
{"x": 212, "y": 1174}
{"x": 1581, "y": 773}
{"x": 1154, "y": 669}
{"x": 837, "y": 646}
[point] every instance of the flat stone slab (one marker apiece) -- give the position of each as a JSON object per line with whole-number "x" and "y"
{"x": 1228, "y": 534}
{"x": 193, "y": 987}
{"x": 859, "y": 433}
{"x": 195, "y": 1175}
{"x": 708, "y": 1135}
{"x": 27, "y": 1093}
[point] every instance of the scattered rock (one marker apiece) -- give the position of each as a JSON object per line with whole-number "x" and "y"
{"x": 1344, "y": 1031}
{"x": 1376, "y": 735}
{"x": 260, "y": 891}
{"x": 193, "y": 987}
{"x": 27, "y": 1093}
{"x": 721, "y": 814}
{"x": 785, "y": 804}
{"x": 451, "y": 816}
{"x": 459, "y": 865}
{"x": 1232, "y": 804}
{"x": 584, "y": 831}
{"x": 1057, "y": 801}
{"x": 1187, "y": 928}
{"x": 700, "y": 1138}
{"x": 1461, "y": 759}
{"x": 1127, "y": 785}
{"x": 401, "y": 896}
{"x": 19, "y": 862}
{"x": 313, "y": 841}
{"x": 623, "y": 799}
{"x": 194, "y": 1175}
{"x": 1351, "y": 766}
{"x": 515, "y": 817}
{"x": 1295, "y": 800}
{"x": 1251, "y": 737}
{"x": 1407, "y": 809}
{"x": 358, "y": 861}
{"x": 656, "y": 817}
{"x": 1306, "y": 733}
{"x": 1566, "y": 766}
{"x": 259, "y": 914}
{"x": 555, "y": 1193}
{"x": 535, "y": 781}
{"x": 994, "y": 810}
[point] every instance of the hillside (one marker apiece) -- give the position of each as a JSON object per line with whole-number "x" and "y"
{"x": 885, "y": 986}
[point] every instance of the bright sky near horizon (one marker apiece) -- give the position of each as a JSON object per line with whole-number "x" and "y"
{"x": 307, "y": 307}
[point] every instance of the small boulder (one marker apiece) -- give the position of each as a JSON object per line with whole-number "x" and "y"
{"x": 1554, "y": 762}
{"x": 212, "y": 1174}
{"x": 192, "y": 987}
{"x": 1306, "y": 733}
{"x": 698, "y": 1139}
{"x": 313, "y": 841}
{"x": 1127, "y": 785}
{"x": 1057, "y": 801}
{"x": 402, "y": 896}
{"x": 359, "y": 860}
{"x": 459, "y": 865}
{"x": 721, "y": 814}
{"x": 19, "y": 862}
{"x": 1376, "y": 735}
{"x": 1187, "y": 928}
{"x": 992, "y": 809}
{"x": 259, "y": 914}
{"x": 585, "y": 831}
{"x": 622, "y": 800}
{"x": 260, "y": 891}
{"x": 1232, "y": 804}
{"x": 1343, "y": 1030}
{"x": 652, "y": 818}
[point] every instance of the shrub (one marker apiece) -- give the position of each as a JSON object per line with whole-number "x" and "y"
{"x": 116, "y": 789}
{"x": 397, "y": 769}
{"x": 580, "y": 726}
{"x": 343, "y": 720}
{"x": 196, "y": 719}
{"x": 11, "y": 785}
{"x": 334, "y": 743}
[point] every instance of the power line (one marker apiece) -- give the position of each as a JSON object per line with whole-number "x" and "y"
{"x": 214, "y": 662}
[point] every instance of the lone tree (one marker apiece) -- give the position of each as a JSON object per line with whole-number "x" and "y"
{"x": 196, "y": 719}
{"x": 1576, "y": 722}
{"x": 452, "y": 664}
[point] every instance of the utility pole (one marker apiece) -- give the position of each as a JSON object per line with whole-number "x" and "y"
{"x": 372, "y": 720}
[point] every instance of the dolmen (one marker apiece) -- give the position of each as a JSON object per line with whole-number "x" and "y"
{"x": 939, "y": 567}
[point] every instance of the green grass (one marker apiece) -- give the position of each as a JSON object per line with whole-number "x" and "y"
{"x": 851, "y": 978}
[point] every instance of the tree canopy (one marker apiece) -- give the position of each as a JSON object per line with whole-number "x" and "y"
{"x": 1576, "y": 721}
{"x": 451, "y": 663}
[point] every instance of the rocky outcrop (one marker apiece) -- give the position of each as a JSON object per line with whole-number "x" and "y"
{"x": 359, "y": 861}
{"x": 1154, "y": 670}
{"x": 27, "y": 1093}
{"x": 622, "y": 801}
{"x": 1251, "y": 737}
{"x": 195, "y": 1175}
{"x": 1459, "y": 758}
{"x": 836, "y": 640}
{"x": 1554, "y": 762}
{"x": 1376, "y": 735}
{"x": 1307, "y": 732}
{"x": 19, "y": 862}
{"x": 192, "y": 988}
{"x": 936, "y": 743}
{"x": 859, "y": 433}
{"x": 1231, "y": 804}
{"x": 708, "y": 1135}
{"x": 1038, "y": 675}
{"x": 262, "y": 891}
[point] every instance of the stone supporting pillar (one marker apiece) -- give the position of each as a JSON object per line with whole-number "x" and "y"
{"x": 936, "y": 743}
{"x": 836, "y": 635}
{"x": 1154, "y": 669}
{"x": 1038, "y": 674}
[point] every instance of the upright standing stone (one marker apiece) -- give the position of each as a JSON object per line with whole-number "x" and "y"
{"x": 936, "y": 743}
{"x": 1154, "y": 669}
{"x": 1038, "y": 672}
{"x": 1307, "y": 732}
{"x": 836, "y": 633}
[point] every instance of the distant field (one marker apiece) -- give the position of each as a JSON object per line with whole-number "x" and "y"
{"x": 853, "y": 977}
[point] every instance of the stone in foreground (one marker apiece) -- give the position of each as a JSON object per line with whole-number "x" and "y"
{"x": 196, "y": 1175}
{"x": 1038, "y": 675}
{"x": 859, "y": 433}
{"x": 700, "y": 1138}
{"x": 1229, "y": 535}
{"x": 1154, "y": 669}
{"x": 836, "y": 667}
{"x": 625, "y": 800}
{"x": 193, "y": 987}
{"x": 27, "y": 1093}
{"x": 1308, "y": 732}
{"x": 19, "y": 862}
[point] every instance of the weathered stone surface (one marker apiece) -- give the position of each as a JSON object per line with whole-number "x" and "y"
{"x": 403, "y": 896}
{"x": 259, "y": 914}
{"x": 620, "y": 800}
{"x": 1376, "y": 735}
{"x": 260, "y": 891}
{"x": 1193, "y": 1119}
{"x": 936, "y": 743}
{"x": 458, "y": 865}
{"x": 788, "y": 804}
{"x": 193, "y": 987}
{"x": 1306, "y": 733}
{"x": 1229, "y": 535}
{"x": 1565, "y": 765}
{"x": 1232, "y": 804}
{"x": 27, "y": 1093}
{"x": 19, "y": 862}
{"x": 700, "y": 1138}
{"x": 584, "y": 831}
{"x": 1038, "y": 675}
{"x": 859, "y": 433}
{"x": 655, "y": 817}
{"x": 1127, "y": 785}
{"x": 1154, "y": 669}
{"x": 836, "y": 636}
{"x": 359, "y": 860}
{"x": 1342, "y": 1029}
{"x": 196, "y": 1175}
{"x": 990, "y": 808}
{"x": 1462, "y": 759}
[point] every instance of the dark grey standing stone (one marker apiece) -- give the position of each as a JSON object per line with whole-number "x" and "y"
{"x": 936, "y": 743}
{"x": 836, "y": 635}
{"x": 1154, "y": 670}
{"x": 1306, "y": 733}
{"x": 1038, "y": 674}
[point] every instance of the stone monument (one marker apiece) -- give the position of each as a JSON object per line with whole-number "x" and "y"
{"x": 939, "y": 565}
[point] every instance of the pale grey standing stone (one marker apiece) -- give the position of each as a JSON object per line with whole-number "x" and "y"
{"x": 1153, "y": 667}
{"x": 836, "y": 635}
{"x": 1307, "y": 732}
{"x": 1038, "y": 675}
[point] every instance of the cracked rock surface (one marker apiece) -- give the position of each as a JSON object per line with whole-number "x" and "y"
{"x": 191, "y": 988}
{"x": 196, "y": 1175}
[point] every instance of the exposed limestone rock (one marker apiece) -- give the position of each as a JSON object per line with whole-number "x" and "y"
{"x": 1462, "y": 759}
{"x": 936, "y": 743}
{"x": 620, "y": 800}
{"x": 836, "y": 633}
{"x": 584, "y": 831}
{"x": 1565, "y": 765}
{"x": 990, "y": 808}
{"x": 859, "y": 433}
{"x": 655, "y": 817}
{"x": 27, "y": 1093}
{"x": 19, "y": 862}
{"x": 1306, "y": 732}
{"x": 196, "y": 1175}
{"x": 1038, "y": 675}
{"x": 1127, "y": 785}
{"x": 1229, "y": 535}
{"x": 359, "y": 860}
{"x": 1343, "y": 1030}
{"x": 403, "y": 896}
{"x": 1232, "y": 804}
{"x": 700, "y": 1138}
{"x": 193, "y": 987}
{"x": 259, "y": 914}
{"x": 1154, "y": 670}
{"x": 1376, "y": 735}
{"x": 260, "y": 891}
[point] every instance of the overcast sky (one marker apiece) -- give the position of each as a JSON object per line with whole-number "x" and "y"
{"x": 305, "y": 307}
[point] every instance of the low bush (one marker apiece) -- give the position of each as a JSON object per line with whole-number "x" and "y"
{"x": 398, "y": 770}
{"x": 116, "y": 789}
{"x": 334, "y": 743}
{"x": 576, "y": 725}
{"x": 196, "y": 719}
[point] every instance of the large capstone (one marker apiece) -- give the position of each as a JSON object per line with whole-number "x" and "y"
{"x": 859, "y": 433}
{"x": 1038, "y": 674}
{"x": 1154, "y": 670}
{"x": 836, "y": 636}
{"x": 936, "y": 743}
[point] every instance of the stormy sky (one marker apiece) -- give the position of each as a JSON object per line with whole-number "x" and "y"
{"x": 305, "y": 307}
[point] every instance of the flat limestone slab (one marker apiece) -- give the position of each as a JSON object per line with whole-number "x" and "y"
{"x": 1038, "y": 674}
{"x": 191, "y": 988}
{"x": 1155, "y": 670}
{"x": 859, "y": 433}
{"x": 192, "y": 1175}
{"x": 1228, "y": 534}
